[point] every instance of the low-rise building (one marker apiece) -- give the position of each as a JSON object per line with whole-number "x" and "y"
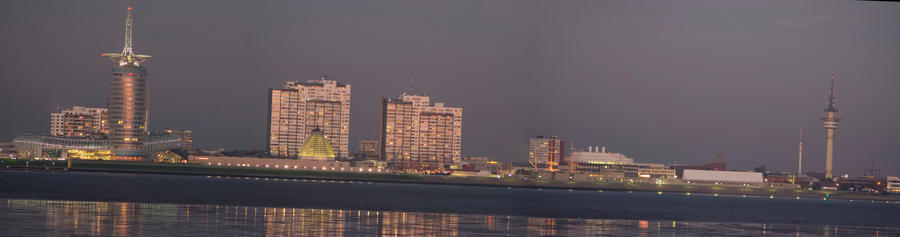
{"x": 725, "y": 177}
{"x": 368, "y": 149}
{"x": 7, "y": 150}
{"x": 600, "y": 164}
{"x": 623, "y": 171}
{"x": 651, "y": 171}
{"x": 859, "y": 184}
{"x": 475, "y": 164}
{"x": 893, "y": 184}
{"x": 599, "y": 156}
{"x": 718, "y": 166}
{"x": 273, "y": 163}
{"x": 780, "y": 177}
{"x": 187, "y": 136}
{"x": 37, "y": 146}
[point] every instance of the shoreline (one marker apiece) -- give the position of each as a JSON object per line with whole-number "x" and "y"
{"x": 409, "y": 196}
{"x": 508, "y": 182}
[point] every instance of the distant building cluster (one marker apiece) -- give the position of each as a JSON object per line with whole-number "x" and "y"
{"x": 118, "y": 132}
{"x": 308, "y": 127}
{"x": 417, "y": 135}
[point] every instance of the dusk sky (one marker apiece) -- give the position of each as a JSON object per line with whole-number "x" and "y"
{"x": 660, "y": 81}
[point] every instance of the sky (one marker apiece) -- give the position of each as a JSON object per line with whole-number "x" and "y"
{"x": 660, "y": 81}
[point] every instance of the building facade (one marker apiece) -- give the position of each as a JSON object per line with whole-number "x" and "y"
{"x": 272, "y": 163}
{"x": 79, "y": 121}
{"x": 599, "y": 156}
{"x": 37, "y": 146}
{"x": 8, "y": 150}
{"x": 187, "y": 136}
{"x": 548, "y": 151}
{"x": 600, "y": 163}
{"x": 369, "y": 149}
{"x": 892, "y": 184}
{"x": 298, "y": 108}
{"x": 413, "y": 130}
{"x": 718, "y": 166}
{"x": 127, "y": 101}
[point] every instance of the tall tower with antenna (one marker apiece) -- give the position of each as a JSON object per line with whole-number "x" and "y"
{"x": 127, "y": 101}
{"x": 831, "y": 122}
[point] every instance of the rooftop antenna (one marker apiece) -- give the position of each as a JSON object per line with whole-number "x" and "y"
{"x": 872, "y": 171}
{"x": 409, "y": 89}
{"x": 676, "y": 167}
{"x": 720, "y": 157}
{"x": 832, "y": 105}
{"x": 127, "y": 57}
{"x": 572, "y": 146}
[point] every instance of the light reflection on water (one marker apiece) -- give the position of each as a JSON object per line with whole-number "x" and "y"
{"x": 48, "y": 217}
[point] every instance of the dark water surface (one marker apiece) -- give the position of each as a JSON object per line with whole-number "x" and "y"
{"x": 110, "y": 204}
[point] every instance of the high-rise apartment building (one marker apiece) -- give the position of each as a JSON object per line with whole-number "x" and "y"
{"x": 128, "y": 104}
{"x": 79, "y": 121}
{"x": 549, "y": 151}
{"x": 297, "y": 108}
{"x": 414, "y": 130}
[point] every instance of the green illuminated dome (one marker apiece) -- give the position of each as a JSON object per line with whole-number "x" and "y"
{"x": 317, "y": 146}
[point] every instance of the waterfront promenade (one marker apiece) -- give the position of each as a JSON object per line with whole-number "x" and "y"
{"x": 503, "y": 182}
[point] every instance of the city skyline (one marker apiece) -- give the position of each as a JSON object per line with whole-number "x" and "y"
{"x": 646, "y": 126}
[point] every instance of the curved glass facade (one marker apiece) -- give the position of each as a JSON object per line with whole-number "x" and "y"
{"x": 32, "y": 146}
{"x": 128, "y": 110}
{"x": 41, "y": 146}
{"x": 157, "y": 143}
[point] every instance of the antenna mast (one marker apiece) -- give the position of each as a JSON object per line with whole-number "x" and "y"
{"x": 831, "y": 123}
{"x": 800, "y": 156}
{"x": 127, "y": 57}
{"x": 129, "y": 28}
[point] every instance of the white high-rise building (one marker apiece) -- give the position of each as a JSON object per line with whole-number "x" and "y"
{"x": 416, "y": 131}
{"x": 79, "y": 121}
{"x": 297, "y": 108}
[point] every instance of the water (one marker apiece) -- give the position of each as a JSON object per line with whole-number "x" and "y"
{"x": 90, "y": 204}
{"x": 46, "y": 217}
